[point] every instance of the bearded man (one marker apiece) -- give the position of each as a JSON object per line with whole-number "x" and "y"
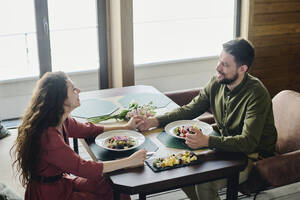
{"x": 242, "y": 109}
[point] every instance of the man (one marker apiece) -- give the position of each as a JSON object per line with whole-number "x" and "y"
{"x": 242, "y": 109}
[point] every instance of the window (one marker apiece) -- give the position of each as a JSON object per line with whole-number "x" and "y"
{"x": 18, "y": 45}
{"x": 176, "y": 29}
{"x": 73, "y": 35}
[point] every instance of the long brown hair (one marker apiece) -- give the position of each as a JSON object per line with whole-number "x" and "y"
{"x": 45, "y": 109}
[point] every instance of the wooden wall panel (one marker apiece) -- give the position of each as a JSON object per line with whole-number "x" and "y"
{"x": 280, "y": 51}
{"x": 277, "y": 18}
{"x": 275, "y": 40}
{"x": 273, "y": 1}
{"x": 273, "y": 62}
{"x": 276, "y": 7}
{"x": 274, "y": 30}
{"x": 281, "y": 83}
{"x": 272, "y": 71}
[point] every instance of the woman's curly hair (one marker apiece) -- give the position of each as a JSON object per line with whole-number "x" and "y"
{"x": 45, "y": 109}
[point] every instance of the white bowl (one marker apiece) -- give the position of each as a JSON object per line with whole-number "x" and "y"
{"x": 206, "y": 128}
{"x": 100, "y": 140}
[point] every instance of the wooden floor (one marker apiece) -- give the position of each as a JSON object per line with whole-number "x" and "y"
{"x": 290, "y": 192}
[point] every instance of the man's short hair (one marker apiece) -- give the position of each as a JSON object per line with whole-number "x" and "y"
{"x": 242, "y": 50}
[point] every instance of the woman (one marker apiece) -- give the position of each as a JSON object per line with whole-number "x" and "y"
{"x": 43, "y": 155}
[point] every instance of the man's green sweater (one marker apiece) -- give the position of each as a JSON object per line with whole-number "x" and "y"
{"x": 244, "y": 116}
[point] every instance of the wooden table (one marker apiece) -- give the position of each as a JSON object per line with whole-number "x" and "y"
{"x": 143, "y": 181}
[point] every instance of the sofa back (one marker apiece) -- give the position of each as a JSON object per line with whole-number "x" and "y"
{"x": 183, "y": 97}
{"x": 286, "y": 108}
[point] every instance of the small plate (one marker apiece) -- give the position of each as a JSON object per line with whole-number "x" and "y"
{"x": 206, "y": 128}
{"x": 100, "y": 140}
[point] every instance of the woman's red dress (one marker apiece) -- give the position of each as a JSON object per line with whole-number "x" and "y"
{"x": 56, "y": 157}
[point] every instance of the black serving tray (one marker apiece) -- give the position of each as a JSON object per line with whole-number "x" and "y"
{"x": 149, "y": 162}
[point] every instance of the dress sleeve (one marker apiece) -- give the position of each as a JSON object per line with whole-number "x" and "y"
{"x": 60, "y": 155}
{"x": 77, "y": 129}
{"x": 256, "y": 113}
{"x": 196, "y": 107}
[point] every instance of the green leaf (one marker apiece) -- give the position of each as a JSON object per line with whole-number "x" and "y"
{"x": 101, "y": 118}
{"x": 123, "y": 114}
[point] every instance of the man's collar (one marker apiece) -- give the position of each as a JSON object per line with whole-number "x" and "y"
{"x": 238, "y": 87}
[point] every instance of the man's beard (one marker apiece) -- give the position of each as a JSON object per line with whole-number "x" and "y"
{"x": 229, "y": 81}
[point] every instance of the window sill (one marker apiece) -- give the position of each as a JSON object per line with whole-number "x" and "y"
{"x": 184, "y": 60}
{"x": 35, "y": 77}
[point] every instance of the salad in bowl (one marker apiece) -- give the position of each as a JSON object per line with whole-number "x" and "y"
{"x": 180, "y": 128}
{"x": 120, "y": 140}
{"x": 181, "y": 131}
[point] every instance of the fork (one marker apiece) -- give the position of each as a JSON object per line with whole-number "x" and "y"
{"x": 149, "y": 154}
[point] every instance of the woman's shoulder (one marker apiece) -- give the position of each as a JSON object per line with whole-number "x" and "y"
{"x": 52, "y": 138}
{"x": 70, "y": 122}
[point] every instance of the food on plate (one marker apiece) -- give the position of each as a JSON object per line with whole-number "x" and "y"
{"x": 120, "y": 142}
{"x": 173, "y": 160}
{"x": 181, "y": 131}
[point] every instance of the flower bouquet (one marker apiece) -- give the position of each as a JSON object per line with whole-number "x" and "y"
{"x": 134, "y": 109}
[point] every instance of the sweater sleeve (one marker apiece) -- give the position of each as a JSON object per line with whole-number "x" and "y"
{"x": 256, "y": 112}
{"x": 196, "y": 107}
{"x": 82, "y": 130}
{"x": 57, "y": 153}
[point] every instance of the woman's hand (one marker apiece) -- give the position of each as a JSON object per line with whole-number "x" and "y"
{"x": 138, "y": 158}
{"x": 135, "y": 160}
{"x": 147, "y": 123}
{"x": 133, "y": 123}
{"x": 196, "y": 140}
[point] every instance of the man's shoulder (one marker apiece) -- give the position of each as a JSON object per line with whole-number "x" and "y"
{"x": 256, "y": 87}
{"x": 214, "y": 82}
{"x": 214, "y": 87}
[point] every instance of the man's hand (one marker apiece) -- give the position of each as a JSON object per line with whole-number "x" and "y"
{"x": 147, "y": 123}
{"x": 196, "y": 140}
{"x": 133, "y": 123}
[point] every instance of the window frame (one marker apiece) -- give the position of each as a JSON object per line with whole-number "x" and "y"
{"x": 236, "y": 33}
{"x": 43, "y": 40}
{"x": 44, "y": 48}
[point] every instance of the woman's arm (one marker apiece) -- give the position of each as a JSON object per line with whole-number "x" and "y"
{"x": 57, "y": 153}
{"x": 84, "y": 130}
{"x": 133, "y": 123}
{"x": 136, "y": 159}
